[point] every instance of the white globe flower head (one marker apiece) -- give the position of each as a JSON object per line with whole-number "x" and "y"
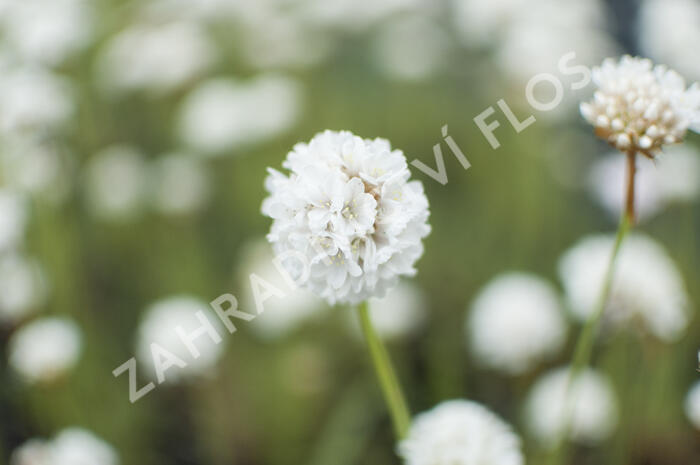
{"x": 72, "y": 446}
{"x": 23, "y": 286}
{"x": 180, "y": 184}
{"x": 639, "y": 107}
{"x": 673, "y": 178}
{"x": 45, "y": 349}
{"x": 515, "y": 322}
{"x": 155, "y": 58}
{"x": 590, "y": 401}
{"x": 281, "y": 315}
{"x": 460, "y": 432}
{"x": 647, "y": 288}
{"x": 692, "y": 405}
{"x": 159, "y": 342}
{"x": 223, "y": 114}
{"x": 77, "y": 446}
{"x": 116, "y": 183}
{"x": 349, "y": 208}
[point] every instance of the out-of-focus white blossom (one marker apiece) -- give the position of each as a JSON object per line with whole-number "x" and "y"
{"x": 159, "y": 326}
{"x": 460, "y": 432}
{"x": 647, "y": 287}
{"x": 33, "y": 99}
{"x": 72, "y": 446}
{"x": 47, "y": 31}
{"x": 180, "y": 184}
{"x": 673, "y": 178}
{"x": 400, "y": 313}
{"x": 155, "y": 58}
{"x": 591, "y": 403}
{"x": 515, "y": 322}
{"x": 410, "y": 48}
{"x": 13, "y": 218}
{"x": 692, "y": 405}
{"x": 641, "y": 107}
{"x": 281, "y": 315}
{"x": 348, "y": 206}
{"x": 22, "y": 286}
{"x": 357, "y": 15}
{"x": 116, "y": 183}
{"x": 223, "y": 114}
{"x": 45, "y": 349}
{"x": 669, "y": 32}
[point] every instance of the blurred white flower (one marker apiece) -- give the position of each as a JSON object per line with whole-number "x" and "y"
{"x": 35, "y": 167}
{"x": 668, "y": 32}
{"x": 348, "y": 206}
{"x": 22, "y": 286}
{"x": 223, "y": 114}
{"x": 13, "y": 218}
{"x": 401, "y": 312}
{"x": 593, "y": 414}
{"x": 72, "y": 446}
{"x": 281, "y": 315}
{"x": 155, "y": 58}
{"x": 357, "y": 15}
{"x": 641, "y": 107}
{"x": 410, "y": 48}
{"x": 116, "y": 183}
{"x": 159, "y": 326}
{"x": 45, "y": 348}
{"x": 47, "y": 31}
{"x": 180, "y": 184}
{"x": 515, "y": 322}
{"x": 33, "y": 99}
{"x": 647, "y": 288}
{"x": 673, "y": 178}
{"x": 32, "y": 452}
{"x": 77, "y": 446}
{"x": 460, "y": 432}
{"x": 692, "y": 405}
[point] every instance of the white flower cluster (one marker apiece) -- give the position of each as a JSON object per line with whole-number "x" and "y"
{"x": 647, "y": 288}
{"x": 594, "y": 413}
{"x": 348, "y": 206}
{"x": 72, "y": 446}
{"x": 515, "y": 322}
{"x": 45, "y": 349}
{"x": 641, "y": 107}
{"x": 460, "y": 432}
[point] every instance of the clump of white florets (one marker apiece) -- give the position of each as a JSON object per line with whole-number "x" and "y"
{"x": 648, "y": 288}
{"x": 639, "y": 107}
{"x": 589, "y": 399}
{"x": 72, "y": 446}
{"x": 460, "y": 432}
{"x": 515, "y": 322}
{"x": 348, "y": 206}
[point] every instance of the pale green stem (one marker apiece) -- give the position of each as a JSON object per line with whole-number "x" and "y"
{"x": 388, "y": 381}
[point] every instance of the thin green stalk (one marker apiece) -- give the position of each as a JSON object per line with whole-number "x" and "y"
{"x": 584, "y": 344}
{"x": 388, "y": 381}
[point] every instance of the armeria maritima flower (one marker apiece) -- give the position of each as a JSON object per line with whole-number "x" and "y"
{"x": 460, "y": 432}
{"x": 639, "y": 107}
{"x": 348, "y": 206}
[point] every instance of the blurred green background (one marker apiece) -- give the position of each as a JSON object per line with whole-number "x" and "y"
{"x": 309, "y": 396}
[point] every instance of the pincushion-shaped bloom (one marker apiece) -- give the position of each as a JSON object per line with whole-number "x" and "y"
{"x": 647, "y": 289}
{"x": 349, "y": 208}
{"x": 594, "y": 412}
{"x": 515, "y": 322}
{"x": 45, "y": 349}
{"x": 460, "y": 432}
{"x": 639, "y": 107}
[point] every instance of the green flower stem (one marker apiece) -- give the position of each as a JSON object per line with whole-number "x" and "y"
{"x": 388, "y": 381}
{"x": 584, "y": 344}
